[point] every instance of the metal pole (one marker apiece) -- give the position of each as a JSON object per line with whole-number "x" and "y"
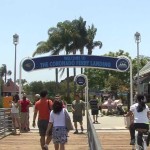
{"x": 0, "y": 86}
{"x": 87, "y": 100}
{"x": 131, "y": 79}
{"x": 138, "y": 40}
{"x": 15, "y": 70}
{"x": 20, "y": 77}
{"x": 138, "y": 88}
{"x": 131, "y": 83}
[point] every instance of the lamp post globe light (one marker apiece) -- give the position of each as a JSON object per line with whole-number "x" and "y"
{"x": 137, "y": 37}
{"x": 15, "y": 42}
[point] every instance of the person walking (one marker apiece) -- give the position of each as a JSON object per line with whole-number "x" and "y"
{"x": 43, "y": 108}
{"x": 78, "y": 110}
{"x": 36, "y": 98}
{"x": 14, "y": 104}
{"x": 24, "y": 106}
{"x": 94, "y": 104}
{"x": 58, "y": 126}
{"x": 141, "y": 114}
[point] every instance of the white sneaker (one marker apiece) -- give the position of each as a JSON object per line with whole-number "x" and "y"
{"x": 45, "y": 147}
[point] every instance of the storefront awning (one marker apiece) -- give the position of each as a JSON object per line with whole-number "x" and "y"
{"x": 145, "y": 70}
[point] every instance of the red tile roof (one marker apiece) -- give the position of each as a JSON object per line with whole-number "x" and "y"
{"x": 10, "y": 88}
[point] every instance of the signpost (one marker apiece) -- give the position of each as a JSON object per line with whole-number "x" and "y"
{"x": 80, "y": 80}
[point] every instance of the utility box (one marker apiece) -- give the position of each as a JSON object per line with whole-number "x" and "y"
{"x": 6, "y": 101}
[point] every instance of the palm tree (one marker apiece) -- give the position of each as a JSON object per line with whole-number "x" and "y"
{"x": 74, "y": 47}
{"x": 82, "y": 31}
{"x": 23, "y": 81}
{"x": 49, "y": 46}
{"x": 91, "y": 44}
{"x": 64, "y": 44}
{"x": 82, "y": 40}
{"x": 59, "y": 40}
{"x": 4, "y": 72}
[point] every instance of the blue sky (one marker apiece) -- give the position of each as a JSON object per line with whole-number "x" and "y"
{"x": 116, "y": 22}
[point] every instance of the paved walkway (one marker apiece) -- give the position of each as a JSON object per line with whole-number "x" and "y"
{"x": 105, "y": 122}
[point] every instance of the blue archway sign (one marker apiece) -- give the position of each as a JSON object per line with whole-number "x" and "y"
{"x": 121, "y": 63}
{"x": 86, "y": 61}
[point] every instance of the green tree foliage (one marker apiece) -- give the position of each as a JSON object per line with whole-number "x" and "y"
{"x": 36, "y": 87}
{"x": 113, "y": 80}
{"x": 4, "y": 72}
{"x": 69, "y": 36}
{"x": 23, "y": 81}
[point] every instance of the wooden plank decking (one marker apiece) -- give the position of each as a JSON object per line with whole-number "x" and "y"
{"x": 30, "y": 141}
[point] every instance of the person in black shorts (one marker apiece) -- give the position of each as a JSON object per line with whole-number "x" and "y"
{"x": 94, "y": 108}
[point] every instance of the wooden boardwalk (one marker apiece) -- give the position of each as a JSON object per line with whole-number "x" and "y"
{"x": 30, "y": 141}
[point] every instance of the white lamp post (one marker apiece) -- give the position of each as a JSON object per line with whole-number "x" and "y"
{"x": 0, "y": 84}
{"x": 137, "y": 37}
{"x": 15, "y": 42}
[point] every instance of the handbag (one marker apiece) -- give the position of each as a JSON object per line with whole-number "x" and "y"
{"x": 68, "y": 122}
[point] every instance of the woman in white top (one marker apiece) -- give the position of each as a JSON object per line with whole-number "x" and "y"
{"x": 15, "y": 113}
{"x": 57, "y": 123}
{"x": 141, "y": 114}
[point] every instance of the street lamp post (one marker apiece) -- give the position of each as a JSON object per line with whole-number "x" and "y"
{"x": 0, "y": 84}
{"x": 137, "y": 37}
{"x": 15, "y": 42}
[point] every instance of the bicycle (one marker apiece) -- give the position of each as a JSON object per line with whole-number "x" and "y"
{"x": 144, "y": 133}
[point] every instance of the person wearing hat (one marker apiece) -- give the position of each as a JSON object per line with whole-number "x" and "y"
{"x": 36, "y": 98}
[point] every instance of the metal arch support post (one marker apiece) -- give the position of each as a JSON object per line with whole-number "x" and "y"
{"x": 131, "y": 83}
{"x": 131, "y": 80}
{"x": 86, "y": 90}
{"x": 20, "y": 76}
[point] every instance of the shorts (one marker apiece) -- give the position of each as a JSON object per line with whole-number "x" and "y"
{"x": 77, "y": 118}
{"x": 14, "y": 115}
{"x": 141, "y": 126}
{"x": 42, "y": 125}
{"x": 24, "y": 117}
{"x": 94, "y": 112}
{"x": 59, "y": 135}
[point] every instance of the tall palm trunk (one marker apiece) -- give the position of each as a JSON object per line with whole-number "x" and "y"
{"x": 74, "y": 74}
{"x": 89, "y": 51}
{"x": 68, "y": 89}
{"x": 82, "y": 52}
{"x": 57, "y": 87}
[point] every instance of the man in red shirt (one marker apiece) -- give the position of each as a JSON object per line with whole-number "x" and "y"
{"x": 43, "y": 108}
{"x": 24, "y": 106}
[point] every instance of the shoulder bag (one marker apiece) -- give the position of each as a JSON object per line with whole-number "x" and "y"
{"x": 68, "y": 122}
